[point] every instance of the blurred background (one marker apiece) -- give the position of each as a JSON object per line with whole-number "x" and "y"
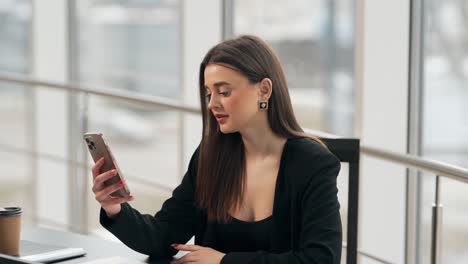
{"x": 143, "y": 46}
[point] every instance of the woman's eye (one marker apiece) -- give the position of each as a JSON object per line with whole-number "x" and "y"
{"x": 208, "y": 96}
{"x": 226, "y": 93}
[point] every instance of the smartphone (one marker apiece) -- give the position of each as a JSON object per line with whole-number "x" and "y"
{"x": 98, "y": 148}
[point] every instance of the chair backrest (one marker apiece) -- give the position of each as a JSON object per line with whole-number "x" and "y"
{"x": 348, "y": 151}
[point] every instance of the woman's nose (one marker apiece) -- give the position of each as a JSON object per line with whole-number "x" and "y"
{"x": 212, "y": 103}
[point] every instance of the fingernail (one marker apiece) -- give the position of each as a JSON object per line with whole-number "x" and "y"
{"x": 174, "y": 245}
{"x": 114, "y": 172}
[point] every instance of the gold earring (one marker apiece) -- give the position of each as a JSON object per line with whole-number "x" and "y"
{"x": 263, "y": 105}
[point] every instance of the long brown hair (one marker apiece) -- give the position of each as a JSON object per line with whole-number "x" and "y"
{"x": 221, "y": 164}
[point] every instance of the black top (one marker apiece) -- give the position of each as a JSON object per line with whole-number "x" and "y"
{"x": 306, "y": 224}
{"x": 239, "y": 236}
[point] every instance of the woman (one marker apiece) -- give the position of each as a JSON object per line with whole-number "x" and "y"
{"x": 257, "y": 189}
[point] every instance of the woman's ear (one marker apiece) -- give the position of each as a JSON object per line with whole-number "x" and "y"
{"x": 266, "y": 88}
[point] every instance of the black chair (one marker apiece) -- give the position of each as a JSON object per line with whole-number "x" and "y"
{"x": 347, "y": 150}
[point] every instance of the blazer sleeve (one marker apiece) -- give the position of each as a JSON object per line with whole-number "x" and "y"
{"x": 153, "y": 235}
{"x": 321, "y": 235}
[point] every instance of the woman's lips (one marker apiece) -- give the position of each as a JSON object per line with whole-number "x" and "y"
{"x": 221, "y": 118}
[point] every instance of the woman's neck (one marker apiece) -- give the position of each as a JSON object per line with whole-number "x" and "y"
{"x": 262, "y": 143}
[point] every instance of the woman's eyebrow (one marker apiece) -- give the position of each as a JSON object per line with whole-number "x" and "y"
{"x": 218, "y": 84}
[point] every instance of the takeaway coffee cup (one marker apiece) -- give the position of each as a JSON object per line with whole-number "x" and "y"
{"x": 10, "y": 228}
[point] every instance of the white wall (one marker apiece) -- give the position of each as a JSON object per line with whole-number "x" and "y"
{"x": 382, "y": 83}
{"x": 50, "y": 63}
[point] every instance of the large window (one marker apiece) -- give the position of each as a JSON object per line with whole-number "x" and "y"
{"x": 445, "y": 122}
{"x": 132, "y": 45}
{"x": 315, "y": 43}
{"x": 15, "y": 40}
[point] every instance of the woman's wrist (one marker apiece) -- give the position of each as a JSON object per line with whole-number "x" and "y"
{"x": 112, "y": 212}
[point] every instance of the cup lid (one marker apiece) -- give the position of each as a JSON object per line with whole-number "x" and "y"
{"x": 9, "y": 211}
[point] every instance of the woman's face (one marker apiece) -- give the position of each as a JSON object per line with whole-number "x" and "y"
{"x": 231, "y": 98}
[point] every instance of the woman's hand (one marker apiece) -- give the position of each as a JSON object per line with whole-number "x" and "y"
{"x": 198, "y": 255}
{"x": 102, "y": 193}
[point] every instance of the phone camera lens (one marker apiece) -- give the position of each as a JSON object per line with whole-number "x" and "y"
{"x": 87, "y": 140}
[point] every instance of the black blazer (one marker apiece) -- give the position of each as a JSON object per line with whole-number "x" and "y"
{"x": 306, "y": 217}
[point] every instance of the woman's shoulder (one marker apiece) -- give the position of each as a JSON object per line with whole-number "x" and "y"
{"x": 307, "y": 149}
{"x": 305, "y": 157}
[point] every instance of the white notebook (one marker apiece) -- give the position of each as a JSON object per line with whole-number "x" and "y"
{"x": 114, "y": 260}
{"x": 44, "y": 253}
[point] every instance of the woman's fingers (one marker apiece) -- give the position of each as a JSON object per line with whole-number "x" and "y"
{"x": 189, "y": 258}
{"x": 102, "y": 192}
{"x": 119, "y": 200}
{"x": 186, "y": 247}
{"x": 105, "y": 192}
{"x": 96, "y": 169}
{"x": 98, "y": 182}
